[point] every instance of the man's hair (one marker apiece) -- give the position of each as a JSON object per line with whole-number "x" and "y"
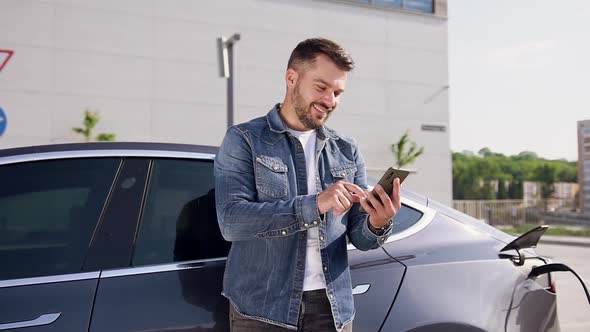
{"x": 307, "y": 51}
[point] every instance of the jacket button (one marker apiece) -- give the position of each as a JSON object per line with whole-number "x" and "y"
{"x": 325, "y": 268}
{"x": 284, "y": 232}
{"x": 305, "y": 225}
{"x": 315, "y": 222}
{"x": 321, "y": 238}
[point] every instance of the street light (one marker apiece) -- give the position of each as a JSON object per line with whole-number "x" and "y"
{"x": 225, "y": 50}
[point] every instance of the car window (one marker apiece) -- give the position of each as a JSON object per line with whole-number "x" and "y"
{"x": 179, "y": 220}
{"x": 48, "y": 212}
{"x": 405, "y": 218}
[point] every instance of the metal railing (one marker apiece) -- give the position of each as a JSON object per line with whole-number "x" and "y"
{"x": 512, "y": 211}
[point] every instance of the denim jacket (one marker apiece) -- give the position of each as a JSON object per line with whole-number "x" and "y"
{"x": 264, "y": 209}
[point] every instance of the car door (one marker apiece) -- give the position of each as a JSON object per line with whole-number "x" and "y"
{"x": 377, "y": 276}
{"x": 375, "y": 281}
{"x": 174, "y": 278}
{"x": 48, "y": 213}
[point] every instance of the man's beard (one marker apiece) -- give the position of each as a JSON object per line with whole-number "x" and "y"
{"x": 304, "y": 112}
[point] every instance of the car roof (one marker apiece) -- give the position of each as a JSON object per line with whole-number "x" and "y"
{"x": 108, "y": 146}
{"x": 106, "y": 149}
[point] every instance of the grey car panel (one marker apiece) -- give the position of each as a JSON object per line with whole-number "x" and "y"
{"x": 488, "y": 295}
{"x": 379, "y": 276}
{"x": 34, "y": 307}
{"x": 469, "y": 284}
{"x": 470, "y": 221}
{"x": 185, "y": 298}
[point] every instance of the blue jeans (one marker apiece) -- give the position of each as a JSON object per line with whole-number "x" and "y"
{"x": 315, "y": 315}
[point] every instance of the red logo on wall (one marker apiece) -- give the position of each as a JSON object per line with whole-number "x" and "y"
{"x": 4, "y": 57}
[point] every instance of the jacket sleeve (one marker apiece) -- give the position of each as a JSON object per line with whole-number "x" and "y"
{"x": 358, "y": 230}
{"x": 241, "y": 217}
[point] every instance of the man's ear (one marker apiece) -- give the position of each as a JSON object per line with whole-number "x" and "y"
{"x": 291, "y": 77}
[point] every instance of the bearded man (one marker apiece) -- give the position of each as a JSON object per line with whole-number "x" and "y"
{"x": 288, "y": 194}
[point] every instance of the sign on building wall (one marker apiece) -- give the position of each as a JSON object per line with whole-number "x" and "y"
{"x": 3, "y": 121}
{"x": 4, "y": 57}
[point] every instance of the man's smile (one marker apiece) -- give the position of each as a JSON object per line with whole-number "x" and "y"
{"x": 323, "y": 110}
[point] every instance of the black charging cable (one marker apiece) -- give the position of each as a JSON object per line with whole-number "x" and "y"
{"x": 553, "y": 267}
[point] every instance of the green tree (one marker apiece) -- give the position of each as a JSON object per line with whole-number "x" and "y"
{"x": 515, "y": 189}
{"x": 566, "y": 171}
{"x": 502, "y": 192}
{"x": 466, "y": 177}
{"x": 487, "y": 191}
{"x": 485, "y": 152}
{"x": 90, "y": 121}
{"x": 405, "y": 151}
{"x": 472, "y": 171}
{"x": 546, "y": 175}
{"x": 106, "y": 137}
{"x": 527, "y": 155}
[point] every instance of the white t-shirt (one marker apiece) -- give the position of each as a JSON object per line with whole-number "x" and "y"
{"x": 314, "y": 276}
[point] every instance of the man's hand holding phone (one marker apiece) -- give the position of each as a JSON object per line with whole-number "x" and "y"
{"x": 382, "y": 209}
{"x": 384, "y": 201}
{"x": 381, "y": 204}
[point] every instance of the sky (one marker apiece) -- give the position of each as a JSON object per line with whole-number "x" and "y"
{"x": 519, "y": 75}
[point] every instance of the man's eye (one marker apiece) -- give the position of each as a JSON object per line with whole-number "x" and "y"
{"x": 321, "y": 88}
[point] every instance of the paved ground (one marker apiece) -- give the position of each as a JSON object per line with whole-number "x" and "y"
{"x": 572, "y": 306}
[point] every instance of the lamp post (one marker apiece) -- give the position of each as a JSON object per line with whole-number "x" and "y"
{"x": 225, "y": 49}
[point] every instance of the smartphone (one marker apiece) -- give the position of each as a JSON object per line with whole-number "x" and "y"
{"x": 386, "y": 182}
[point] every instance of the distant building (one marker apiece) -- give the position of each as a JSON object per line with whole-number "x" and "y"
{"x": 563, "y": 196}
{"x": 565, "y": 190}
{"x": 584, "y": 164}
{"x": 561, "y": 190}
{"x": 531, "y": 190}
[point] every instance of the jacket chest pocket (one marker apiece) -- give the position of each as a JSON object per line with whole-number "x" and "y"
{"x": 271, "y": 176}
{"x": 344, "y": 172}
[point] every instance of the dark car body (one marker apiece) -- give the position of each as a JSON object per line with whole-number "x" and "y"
{"x": 124, "y": 237}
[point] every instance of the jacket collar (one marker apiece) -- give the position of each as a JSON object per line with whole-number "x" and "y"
{"x": 277, "y": 125}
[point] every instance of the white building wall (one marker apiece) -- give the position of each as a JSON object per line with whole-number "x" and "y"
{"x": 150, "y": 68}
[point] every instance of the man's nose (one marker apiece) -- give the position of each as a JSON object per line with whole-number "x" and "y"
{"x": 330, "y": 99}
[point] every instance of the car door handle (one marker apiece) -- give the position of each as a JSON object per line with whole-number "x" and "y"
{"x": 360, "y": 289}
{"x": 39, "y": 321}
